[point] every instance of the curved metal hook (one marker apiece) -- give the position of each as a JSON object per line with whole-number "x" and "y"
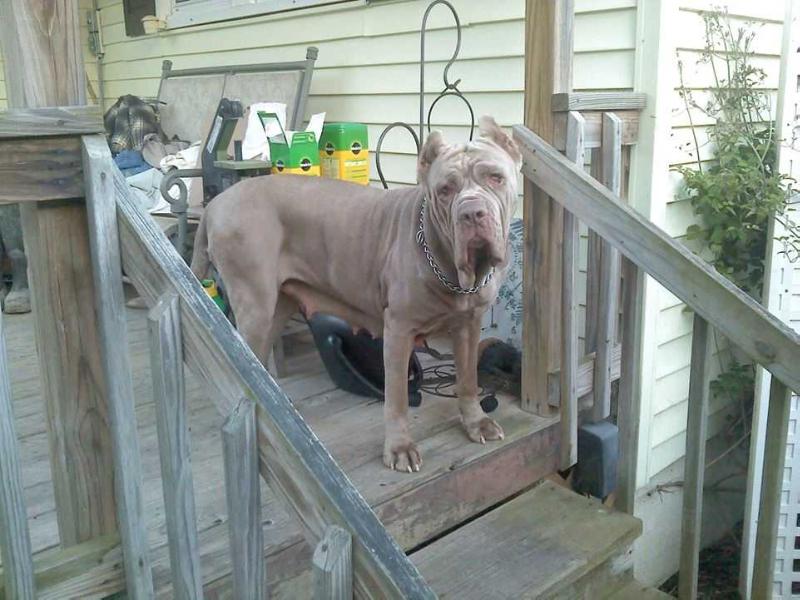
{"x": 447, "y": 84}
{"x": 457, "y": 94}
{"x": 405, "y": 126}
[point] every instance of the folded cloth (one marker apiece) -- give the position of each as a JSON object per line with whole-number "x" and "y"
{"x": 131, "y": 162}
{"x": 154, "y": 150}
{"x": 128, "y": 121}
{"x": 145, "y": 188}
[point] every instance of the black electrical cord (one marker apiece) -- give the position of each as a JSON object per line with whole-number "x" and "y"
{"x": 437, "y": 379}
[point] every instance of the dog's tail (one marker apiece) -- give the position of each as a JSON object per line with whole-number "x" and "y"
{"x": 200, "y": 258}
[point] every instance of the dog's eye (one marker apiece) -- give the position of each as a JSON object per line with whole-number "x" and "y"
{"x": 444, "y": 190}
{"x": 496, "y": 179}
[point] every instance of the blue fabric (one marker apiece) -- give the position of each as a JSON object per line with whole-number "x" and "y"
{"x": 131, "y": 162}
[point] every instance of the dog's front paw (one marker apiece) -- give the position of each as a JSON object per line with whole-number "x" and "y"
{"x": 483, "y": 429}
{"x": 401, "y": 455}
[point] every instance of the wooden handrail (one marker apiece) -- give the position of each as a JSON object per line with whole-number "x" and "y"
{"x": 51, "y": 121}
{"x": 291, "y": 457}
{"x": 747, "y": 324}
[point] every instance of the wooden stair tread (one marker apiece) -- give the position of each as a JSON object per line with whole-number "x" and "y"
{"x": 636, "y": 590}
{"x": 530, "y": 547}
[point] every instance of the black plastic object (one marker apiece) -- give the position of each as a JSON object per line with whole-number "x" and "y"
{"x": 501, "y": 363}
{"x": 489, "y": 403}
{"x": 215, "y": 179}
{"x": 354, "y": 361}
{"x": 596, "y": 471}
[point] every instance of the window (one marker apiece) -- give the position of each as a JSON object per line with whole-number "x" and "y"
{"x": 181, "y": 13}
{"x": 134, "y": 10}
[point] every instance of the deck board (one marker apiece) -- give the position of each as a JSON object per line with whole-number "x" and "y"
{"x": 350, "y": 426}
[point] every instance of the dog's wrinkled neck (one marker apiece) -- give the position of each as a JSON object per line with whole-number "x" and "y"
{"x": 439, "y": 236}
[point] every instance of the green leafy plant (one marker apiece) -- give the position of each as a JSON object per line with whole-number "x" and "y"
{"x": 737, "y": 193}
{"x": 739, "y": 189}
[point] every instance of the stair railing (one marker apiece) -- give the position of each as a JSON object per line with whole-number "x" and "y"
{"x": 717, "y": 303}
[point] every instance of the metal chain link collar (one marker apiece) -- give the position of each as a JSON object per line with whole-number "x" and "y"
{"x": 457, "y": 289}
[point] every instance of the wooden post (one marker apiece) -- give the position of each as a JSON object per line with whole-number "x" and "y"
{"x": 607, "y": 313}
{"x": 333, "y": 565}
{"x": 166, "y": 365}
{"x": 695, "y": 461}
{"x": 548, "y": 70}
{"x": 780, "y": 401}
{"x": 43, "y": 67}
{"x": 243, "y": 494}
{"x": 15, "y": 538}
{"x": 629, "y": 402}
{"x": 569, "y": 315}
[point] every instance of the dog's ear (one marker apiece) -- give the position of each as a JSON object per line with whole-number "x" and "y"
{"x": 491, "y": 130}
{"x": 432, "y": 148}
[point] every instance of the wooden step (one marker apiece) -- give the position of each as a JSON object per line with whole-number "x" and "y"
{"x": 547, "y": 543}
{"x": 638, "y": 591}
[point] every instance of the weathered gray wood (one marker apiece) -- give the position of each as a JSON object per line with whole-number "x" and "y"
{"x": 166, "y": 366}
{"x": 730, "y": 311}
{"x": 607, "y": 312}
{"x": 299, "y": 468}
{"x": 549, "y": 37}
{"x": 594, "y": 249}
{"x": 694, "y": 464}
{"x": 59, "y": 120}
{"x": 780, "y": 401}
{"x": 333, "y": 565}
{"x": 43, "y": 63}
{"x": 599, "y": 101}
{"x": 594, "y": 129}
{"x": 569, "y": 310}
{"x": 243, "y": 495}
{"x": 113, "y": 330}
{"x": 629, "y": 401}
{"x": 15, "y": 540}
{"x": 47, "y": 168}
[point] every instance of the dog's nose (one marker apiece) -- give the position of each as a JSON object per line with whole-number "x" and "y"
{"x": 473, "y": 213}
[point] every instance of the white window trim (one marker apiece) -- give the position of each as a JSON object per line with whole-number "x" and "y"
{"x": 198, "y": 12}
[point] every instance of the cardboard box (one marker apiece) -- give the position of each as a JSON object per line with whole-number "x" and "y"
{"x": 297, "y": 154}
{"x": 344, "y": 152}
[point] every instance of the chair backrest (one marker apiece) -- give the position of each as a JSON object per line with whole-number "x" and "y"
{"x": 190, "y": 97}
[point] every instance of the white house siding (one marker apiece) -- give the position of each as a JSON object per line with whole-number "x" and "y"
{"x": 674, "y": 323}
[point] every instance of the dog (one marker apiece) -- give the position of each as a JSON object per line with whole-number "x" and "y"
{"x": 402, "y": 264}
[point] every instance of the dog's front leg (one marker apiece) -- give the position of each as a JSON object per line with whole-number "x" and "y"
{"x": 399, "y": 451}
{"x": 478, "y": 425}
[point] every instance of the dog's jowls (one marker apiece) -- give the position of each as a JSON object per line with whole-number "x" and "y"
{"x": 283, "y": 243}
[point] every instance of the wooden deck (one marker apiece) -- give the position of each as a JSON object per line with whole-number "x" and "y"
{"x": 458, "y": 479}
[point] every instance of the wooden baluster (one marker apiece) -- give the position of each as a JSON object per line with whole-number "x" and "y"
{"x": 333, "y": 565}
{"x": 609, "y": 275}
{"x": 629, "y": 401}
{"x": 113, "y": 332}
{"x": 166, "y": 364}
{"x": 780, "y": 401}
{"x": 15, "y": 538}
{"x": 593, "y": 255}
{"x": 569, "y": 311}
{"x": 243, "y": 494}
{"x": 694, "y": 470}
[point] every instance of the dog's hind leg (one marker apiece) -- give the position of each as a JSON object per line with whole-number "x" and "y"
{"x": 284, "y": 309}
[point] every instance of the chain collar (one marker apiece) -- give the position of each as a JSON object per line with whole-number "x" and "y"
{"x": 457, "y": 289}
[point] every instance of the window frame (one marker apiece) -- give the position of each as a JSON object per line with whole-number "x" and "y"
{"x": 198, "y": 12}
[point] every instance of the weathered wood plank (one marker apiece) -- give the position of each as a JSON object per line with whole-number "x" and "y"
{"x": 780, "y": 401}
{"x": 607, "y": 306}
{"x": 629, "y": 401}
{"x": 166, "y": 366}
{"x": 695, "y": 461}
{"x": 243, "y": 496}
{"x": 594, "y": 129}
{"x": 291, "y": 457}
{"x": 333, "y": 565}
{"x": 549, "y": 38}
{"x": 733, "y": 313}
{"x": 570, "y": 308}
{"x": 594, "y": 253}
{"x": 41, "y": 169}
{"x": 566, "y": 102}
{"x": 59, "y": 120}
{"x": 113, "y": 329}
{"x": 43, "y": 63}
{"x": 89, "y": 569}
{"x": 15, "y": 539}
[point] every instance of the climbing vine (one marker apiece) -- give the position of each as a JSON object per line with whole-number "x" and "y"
{"x": 734, "y": 186}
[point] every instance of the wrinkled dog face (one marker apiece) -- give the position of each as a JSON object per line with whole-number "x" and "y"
{"x": 472, "y": 191}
